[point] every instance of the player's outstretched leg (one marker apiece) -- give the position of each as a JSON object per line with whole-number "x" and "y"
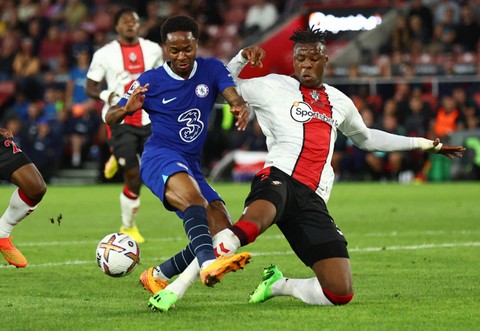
{"x": 263, "y": 292}
{"x": 11, "y": 253}
{"x": 224, "y": 264}
{"x": 163, "y": 300}
{"x": 150, "y": 283}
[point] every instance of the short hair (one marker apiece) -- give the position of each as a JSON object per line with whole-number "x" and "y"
{"x": 120, "y": 12}
{"x": 179, "y": 23}
{"x": 308, "y": 36}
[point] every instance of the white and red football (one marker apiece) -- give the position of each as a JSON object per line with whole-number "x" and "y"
{"x": 117, "y": 254}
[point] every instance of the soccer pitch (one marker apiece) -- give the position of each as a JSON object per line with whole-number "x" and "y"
{"x": 415, "y": 254}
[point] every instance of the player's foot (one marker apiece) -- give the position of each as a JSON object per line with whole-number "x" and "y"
{"x": 111, "y": 167}
{"x": 223, "y": 265}
{"x": 263, "y": 292}
{"x": 151, "y": 283}
{"x": 134, "y": 233}
{"x": 11, "y": 253}
{"x": 163, "y": 301}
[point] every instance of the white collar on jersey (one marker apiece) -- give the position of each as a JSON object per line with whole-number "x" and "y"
{"x": 174, "y": 75}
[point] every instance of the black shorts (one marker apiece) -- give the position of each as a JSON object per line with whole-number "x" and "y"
{"x": 127, "y": 143}
{"x": 302, "y": 216}
{"x": 11, "y": 158}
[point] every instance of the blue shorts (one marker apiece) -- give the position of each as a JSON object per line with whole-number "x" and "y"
{"x": 155, "y": 171}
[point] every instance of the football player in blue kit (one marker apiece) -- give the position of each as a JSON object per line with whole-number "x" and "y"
{"x": 179, "y": 97}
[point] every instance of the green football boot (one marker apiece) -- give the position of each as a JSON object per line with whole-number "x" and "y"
{"x": 263, "y": 291}
{"x": 163, "y": 300}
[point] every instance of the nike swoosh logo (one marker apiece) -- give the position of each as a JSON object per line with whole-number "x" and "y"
{"x": 167, "y": 101}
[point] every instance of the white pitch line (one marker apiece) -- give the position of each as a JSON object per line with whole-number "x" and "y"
{"x": 88, "y": 242}
{"x": 271, "y": 253}
{"x": 263, "y": 237}
{"x": 423, "y": 246}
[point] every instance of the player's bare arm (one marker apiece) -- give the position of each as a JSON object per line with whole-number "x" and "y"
{"x": 117, "y": 113}
{"x": 254, "y": 55}
{"x": 94, "y": 90}
{"x": 239, "y": 107}
{"x": 6, "y": 133}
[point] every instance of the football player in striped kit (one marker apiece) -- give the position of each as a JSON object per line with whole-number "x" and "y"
{"x": 300, "y": 116}
{"x": 119, "y": 63}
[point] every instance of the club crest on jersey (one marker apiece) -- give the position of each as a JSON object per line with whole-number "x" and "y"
{"x": 202, "y": 90}
{"x": 133, "y": 57}
{"x": 314, "y": 94}
{"x": 302, "y": 112}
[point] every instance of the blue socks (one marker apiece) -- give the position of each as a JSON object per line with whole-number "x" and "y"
{"x": 177, "y": 263}
{"x": 200, "y": 245}
{"x": 196, "y": 228}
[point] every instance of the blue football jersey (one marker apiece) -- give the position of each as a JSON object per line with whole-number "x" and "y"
{"x": 179, "y": 108}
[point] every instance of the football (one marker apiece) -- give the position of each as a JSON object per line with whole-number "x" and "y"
{"x": 117, "y": 254}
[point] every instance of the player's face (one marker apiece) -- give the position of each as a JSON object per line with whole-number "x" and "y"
{"x": 309, "y": 62}
{"x": 181, "y": 48}
{"x": 128, "y": 27}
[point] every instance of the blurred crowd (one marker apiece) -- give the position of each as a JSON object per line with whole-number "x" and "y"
{"x": 408, "y": 112}
{"x": 416, "y": 90}
{"x": 46, "y": 49}
{"x": 428, "y": 38}
{"x": 47, "y": 45}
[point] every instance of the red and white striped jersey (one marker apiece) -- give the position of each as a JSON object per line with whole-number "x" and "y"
{"x": 300, "y": 124}
{"x": 119, "y": 65}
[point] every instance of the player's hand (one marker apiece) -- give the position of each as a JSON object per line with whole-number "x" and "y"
{"x": 6, "y": 133}
{"x": 254, "y": 55}
{"x": 136, "y": 99}
{"x": 449, "y": 151}
{"x": 242, "y": 114}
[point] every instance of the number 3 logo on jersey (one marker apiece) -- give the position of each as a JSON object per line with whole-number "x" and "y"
{"x": 193, "y": 125}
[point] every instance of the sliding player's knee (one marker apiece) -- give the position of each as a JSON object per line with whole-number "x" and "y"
{"x": 339, "y": 298}
{"x": 36, "y": 191}
{"x": 39, "y": 192}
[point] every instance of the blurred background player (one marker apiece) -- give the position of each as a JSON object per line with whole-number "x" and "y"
{"x": 17, "y": 168}
{"x": 179, "y": 98}
{"x": 118, "y": 64}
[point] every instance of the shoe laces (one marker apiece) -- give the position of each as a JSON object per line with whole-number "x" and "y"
{"x": 268, "y": 272}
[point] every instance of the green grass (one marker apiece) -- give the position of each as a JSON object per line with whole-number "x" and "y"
{"x": 414, "y": 250}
